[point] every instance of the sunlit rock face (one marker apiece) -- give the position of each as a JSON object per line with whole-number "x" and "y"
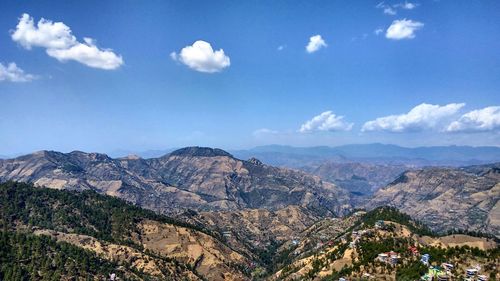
{"x": 446, "y": 198}
{"x": 193, "y": 177}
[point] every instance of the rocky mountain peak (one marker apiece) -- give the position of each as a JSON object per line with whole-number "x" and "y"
{"x": 40, "y": 155}
{"x": 196, "y": 151}
{"x": 255, "y": 161}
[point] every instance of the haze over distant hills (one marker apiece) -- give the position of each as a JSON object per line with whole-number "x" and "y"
{"x": 289, "y": 156}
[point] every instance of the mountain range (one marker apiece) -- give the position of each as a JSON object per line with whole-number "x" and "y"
{"x": 289, "y": 156}
{"x": 209, "y": 179}
{"x": 189, "y": 178}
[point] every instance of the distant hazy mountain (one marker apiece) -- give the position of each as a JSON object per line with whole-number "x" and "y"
{"x": 447, "y": 198}
{"x": 193, "y": 177}
{"x": 360, "y": 179}
{"x": 363, "y": 168}
{"x": 146, "y": 154}
{"x": 289, "y": 156}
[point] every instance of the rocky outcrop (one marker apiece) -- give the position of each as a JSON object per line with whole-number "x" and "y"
{"x": 194, "y": 177}
{"x": 446, "y": 198}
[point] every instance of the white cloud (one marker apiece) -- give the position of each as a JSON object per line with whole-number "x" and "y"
{"x": 392, "y": 10}
{"x": 263, "y": 132}
{"x": 13, "y": 73}
{"x": 389, "y": 11}
{"x": 201, "y": 57}
{"x": 403, "y": 29}
{"x": 281, "y": 47}
{"x": 60, "y": 43}
{"x": 89, "y": 54}
{"x": 423, "y": 116}
{"x": 46, "y": 34}
{"x": 378, "y": 31}
{"x": 326, "y": 121}
{"x": 315, "y": 43}
{"x": 406, "y": 5}
{"x": 486, "y": 119}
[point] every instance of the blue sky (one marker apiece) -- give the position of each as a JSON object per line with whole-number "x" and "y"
{"x": 431, "y": 76}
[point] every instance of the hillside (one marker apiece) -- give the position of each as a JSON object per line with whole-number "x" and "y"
{"x": 446, "y": 198}
{"x": 359, "y": 251}
{"x": 61, "y": 234}
{"x": 255, "y": 232}
{"x": 108, "y": 235}
{"x": 193, "y": 177}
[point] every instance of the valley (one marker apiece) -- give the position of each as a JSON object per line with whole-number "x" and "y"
{"x": 202, "y": 214}
{"x": 93, "y": 236}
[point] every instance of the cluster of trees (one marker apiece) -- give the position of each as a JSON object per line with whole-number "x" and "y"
{"x": 88, "y": 213}
{"x": 24, "y": 256}
{"x": 411, "y": 271}
{"x": 30, "y": 257}
{"x": 387, "y": 213}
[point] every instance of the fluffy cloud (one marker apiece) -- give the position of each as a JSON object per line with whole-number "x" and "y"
{"x": 486, "y": 119}
{"x": 326, "y": 121}
{"x": 403, "y": 29}
{"x": 315, "y": 43}
{"x": 201, "y": 57}
{"x": 89, "y": 54}
{"x": 423, "y": 116}
{"x": 13, "y": 73}
{"x": 59, "y": 42}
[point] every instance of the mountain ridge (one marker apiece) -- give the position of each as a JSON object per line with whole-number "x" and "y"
{"x": 447, "y": 198}
{"x": 194, "y": 177}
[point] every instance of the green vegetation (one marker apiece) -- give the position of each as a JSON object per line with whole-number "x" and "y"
{"x": 409, "y": 267}
{"x": 30, "y": 257}
{"x": 411, "y": 271}
{"x": 88, "y": 213}
{"x": 25, "y": 256}
{"x": 392, "y": 214}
